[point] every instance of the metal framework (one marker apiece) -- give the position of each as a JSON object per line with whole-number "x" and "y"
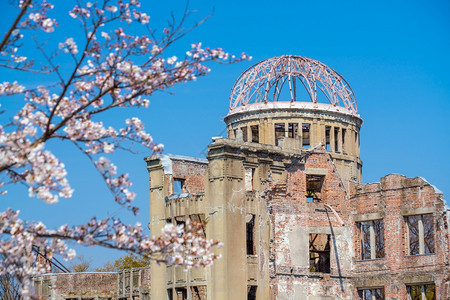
{"x": 264, "y": 82}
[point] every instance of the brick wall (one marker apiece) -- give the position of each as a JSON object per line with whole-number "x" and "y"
{"x": 192, "y": 172}
{"x": 394, "y": 197}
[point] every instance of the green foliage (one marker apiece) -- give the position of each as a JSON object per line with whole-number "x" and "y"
{"x": 83, "y": 265}
{"x": 125, "y": 262}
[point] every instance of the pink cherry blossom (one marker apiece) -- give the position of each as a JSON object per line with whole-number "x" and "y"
{"x": 120, "y": 70}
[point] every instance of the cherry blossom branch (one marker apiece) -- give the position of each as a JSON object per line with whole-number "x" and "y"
{"x": 178, "y": 245}
{"x": 13, "y": 27}
{"x": 113, "y": 68}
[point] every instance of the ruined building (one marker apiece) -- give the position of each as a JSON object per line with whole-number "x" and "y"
{"x": 284, "y": 192}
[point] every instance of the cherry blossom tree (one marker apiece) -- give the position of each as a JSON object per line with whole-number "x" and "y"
{"x": 114, "y": 66}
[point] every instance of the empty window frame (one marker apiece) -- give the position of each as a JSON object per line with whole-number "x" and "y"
{"x": 328, "y": 138}
{"x": 306, "y": 138}
{"x": 250, "y": 232}
{"x": 419, "y": 234}
{"x": 169, "y": 294}
{"x": 255, "y": 133}
{"x": 251, "y": 292}
{"x": 421, "y": 292}
{"x": 293, "y": 130}
{"x": 244, "y": 133}
{"x": 344, "y": 148}
{"x": 198, "y": 292}
{"x": 181, "y": 293}
{"x": 371, "y": 294}
{"x": 372, "y": 239}
{"x": 336, "y": 139}
{"x": 314, "y": 184}
{"x": 319, "y": 253}
{"x": 178, "y": 185}
{"x": 279, "y": 132}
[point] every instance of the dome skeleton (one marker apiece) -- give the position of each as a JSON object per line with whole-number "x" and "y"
{"x": 268, "y": 78}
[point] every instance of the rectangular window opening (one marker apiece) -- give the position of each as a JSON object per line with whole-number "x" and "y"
{"x": 255, "y": 133}
{"x": 181, "y": 293}
{"x": 293, "y": 130}
{"x": 372, "y": 239}
{"x": 314, "y": 184}
{"x": 244, "y": 133}
{"x": 344, "y": 132}
{"x": 327, "y": 138}
{"x": 251, "y": 292}
{"x": 379, "y": 238}
{"x": 178, "y": 186}
{"x": 306, "y": 142}
{"x": 198, "y": 292}
{"x": 421, "y": 291}
{"x": 357, "y": 138}
{"x": 319, "y": 253}
{"x": 336, "y": 139}
{"x": 279, "y": 132}
{"x": 250, "y": 230}
{"x": 428, "y": 228}
{"x": 169, "y": 294}
{"x": 371, "y": 294}
{"x": 420, "y": 234}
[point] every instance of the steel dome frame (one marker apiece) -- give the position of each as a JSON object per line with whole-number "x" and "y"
{"x": 267, "y": 78}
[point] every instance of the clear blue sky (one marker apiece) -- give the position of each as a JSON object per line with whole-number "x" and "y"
{"x": 394, "y": 54}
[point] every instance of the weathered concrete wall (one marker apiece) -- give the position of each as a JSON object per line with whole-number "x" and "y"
{"x": 74, "y": 285}
{"x": 247, "y": 179}
{"x": 95, "y": 285}
{"x": 294, "y": 219}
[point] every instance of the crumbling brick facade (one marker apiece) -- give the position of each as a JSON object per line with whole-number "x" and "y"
{"x": 283, "y": 192}
{"x": 303, "y": 248}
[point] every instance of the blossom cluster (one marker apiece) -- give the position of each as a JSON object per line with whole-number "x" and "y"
{"x": 183, "y": 245}
{"x": 112, "y": 67}
{"x": 34, "y": 16}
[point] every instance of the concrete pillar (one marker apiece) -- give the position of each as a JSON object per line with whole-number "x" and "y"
{"x": 225, "y": 190}
{"x": 229, "y": 131}
{"x": 332, "y": 139}
{"x": 314, "y": 134}
{"x": 421, "y": 236}
{"x": 270, "y": 132}
{"x": 300, "y": 134}
{"x": 131, "y": 283}
{"x": 160, "y": 173}
{"x": 373, "y": 254}
{"x": 357, "y": 144}
{"x": 339, "y": 137}
{"x": 353, "y": 141}
{"x": 321, "y": 129}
